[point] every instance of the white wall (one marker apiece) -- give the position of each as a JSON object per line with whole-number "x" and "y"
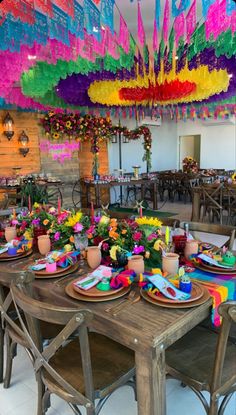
{"x": 218, "y": 146}
{"x": 164, "y": 148}
{"x": 218, "y": 143}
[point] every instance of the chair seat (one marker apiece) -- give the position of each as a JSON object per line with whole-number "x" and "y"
{"x": 110, "y": 361}
{"x": 193, "y": 357}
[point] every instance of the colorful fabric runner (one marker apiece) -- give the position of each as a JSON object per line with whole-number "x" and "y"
{"x": 221, "y": 288}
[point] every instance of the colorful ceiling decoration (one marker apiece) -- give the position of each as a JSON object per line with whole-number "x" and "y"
{"x": 68, "y": 55}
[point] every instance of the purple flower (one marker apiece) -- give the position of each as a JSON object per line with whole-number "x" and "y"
{"x": 78, "y": 227}
{"x": 36, "y": 222}
{"x": 138, "y": 249}
{"x": 97, "y": 219}
{"x": 57, "y": 236}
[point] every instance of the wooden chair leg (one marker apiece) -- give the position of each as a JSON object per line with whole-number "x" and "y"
{"x": 41, "y": 410}
{"x": 1, "y": 352}
{"x": 11, "y": 348}
{"x": 213, "y": 408}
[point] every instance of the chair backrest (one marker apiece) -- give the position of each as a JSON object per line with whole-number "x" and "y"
{"x": 228, "y": 312}
{"x": 74, "y": 322}
{"x": 212, "y": 228}
{"x": 212, "y": 194}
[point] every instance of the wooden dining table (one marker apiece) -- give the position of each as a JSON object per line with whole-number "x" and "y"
{"x": 145, "y": 328}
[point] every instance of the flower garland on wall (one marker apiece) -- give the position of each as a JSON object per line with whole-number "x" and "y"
{"x": 136, "y": 135}
{"x": 93, "y": 129}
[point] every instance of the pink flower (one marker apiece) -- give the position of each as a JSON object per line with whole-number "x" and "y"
{"x": 137, "y": 236}
{"x": 57, "y": 236}
{"x": 78, "y": 227}
{"x": 14, "y": 222}
{"x": 152, "y": 236}
{"x": 62, "y": 217}
{"x": 105, "y": 246}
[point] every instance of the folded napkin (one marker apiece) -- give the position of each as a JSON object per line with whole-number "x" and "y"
{"x": 123, "y": 279}
{"x": 94, "y": 277}
{"x": 211, "y": 261}
{"x": 167, "y": 289}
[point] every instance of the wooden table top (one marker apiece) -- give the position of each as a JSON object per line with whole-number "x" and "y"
{"x": 149, "y": 324}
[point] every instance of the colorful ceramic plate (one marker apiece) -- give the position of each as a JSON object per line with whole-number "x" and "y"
{"x": 215, "y": 270}
{"x": 63, "y": 271}
{"x": 205, "y": 297}
{"x": 93, "y": 292}
{"x": 197, "y": 292}
{"x": 69, "y": 289}
{"x": 5, "y": 257}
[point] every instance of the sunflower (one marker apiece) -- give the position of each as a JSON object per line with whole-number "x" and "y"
{"x": 148, "y": 221}
{"x": 56, "y": 136}
{"x": 68, "y": 124}
{"x": 233, "y": 177}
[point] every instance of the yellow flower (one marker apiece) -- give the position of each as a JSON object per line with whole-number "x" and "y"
{"x": 45, "y": 222}
{"x": 72, "y": 220}
{"x": 56, "y": 136}
{"x": 157, "y": 245}
{"x": 148, "y": 221}
{"x": 104, "y": 220}
{"x": 28, "y": 235}
{"x": 233, "y": 177}
{"x": 36, "y": 205}
{"x": 68, "y": 124}
{"x": 113, "y": 252}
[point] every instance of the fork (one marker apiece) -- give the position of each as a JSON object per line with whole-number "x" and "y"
{"x": 118, "y": 309}
{"x": 129, "y": 297}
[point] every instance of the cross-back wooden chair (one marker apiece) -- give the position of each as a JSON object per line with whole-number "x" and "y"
{"x": 224, "y": 230}
{"x": 206, "y": 361}
{"x": 89, "y": 367}
{"x": 211, "y": 202}
{"x": 13, "y": 336}
{"x": 229, "y": 202}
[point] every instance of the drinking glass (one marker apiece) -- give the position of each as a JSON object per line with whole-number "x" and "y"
{"x": 81, "y": 243}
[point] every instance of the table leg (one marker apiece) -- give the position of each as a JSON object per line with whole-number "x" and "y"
{"x": 196, "y": 207}
{"x": 155, "y": 205}
{"x": 151, "y": 378}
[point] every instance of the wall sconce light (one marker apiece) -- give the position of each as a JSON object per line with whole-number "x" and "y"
{"x": 125, "y": 139}
{"x": 24, "y": 140}
{"x": 8, "y": 126}
{"x": 114, "y": 138}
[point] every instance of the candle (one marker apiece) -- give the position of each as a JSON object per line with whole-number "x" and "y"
{"x": 59, "y": 206}
{"x": 14, "y": 213}
{"x": 141, "y": 211}
{"x": 167, "y": 235}
{"x": 92, "y": 213}
{"x": 29, "y": 203}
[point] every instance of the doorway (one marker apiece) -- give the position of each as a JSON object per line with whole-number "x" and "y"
{"x": 189, "y": 145}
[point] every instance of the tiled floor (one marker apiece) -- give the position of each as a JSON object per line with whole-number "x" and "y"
{"x": 21, "y": 397}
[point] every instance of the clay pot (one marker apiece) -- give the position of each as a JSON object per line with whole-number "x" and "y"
{"x": 136, "y": 263}
{"x": 191, "y": 247}
{"x": 44, "y": 244}
{"x": 10, "y": 233}
{"x": 94, "y": 256}
{"x": 170, "y": 263}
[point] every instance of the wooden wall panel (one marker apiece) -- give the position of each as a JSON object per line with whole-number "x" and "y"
{"x": 9, "y": 150}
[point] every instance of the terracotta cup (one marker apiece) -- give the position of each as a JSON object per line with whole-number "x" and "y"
{"x": 94, "y": 256}
{"x": 44, "y": 244}
{"x": 170, "y": 263}
{"x": 191, "y": 247}
{"x": 10, "y": 233}
{"x": 136, "y": 263}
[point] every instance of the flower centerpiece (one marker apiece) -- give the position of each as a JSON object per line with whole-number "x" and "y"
{"x": 190, "y": 165}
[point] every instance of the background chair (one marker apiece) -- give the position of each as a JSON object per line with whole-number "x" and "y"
{"x": 206, "y": 361}
{"x": 211, "y": 202}
{"x": 79, "y": 371}
{"x": 195, "y": 227}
